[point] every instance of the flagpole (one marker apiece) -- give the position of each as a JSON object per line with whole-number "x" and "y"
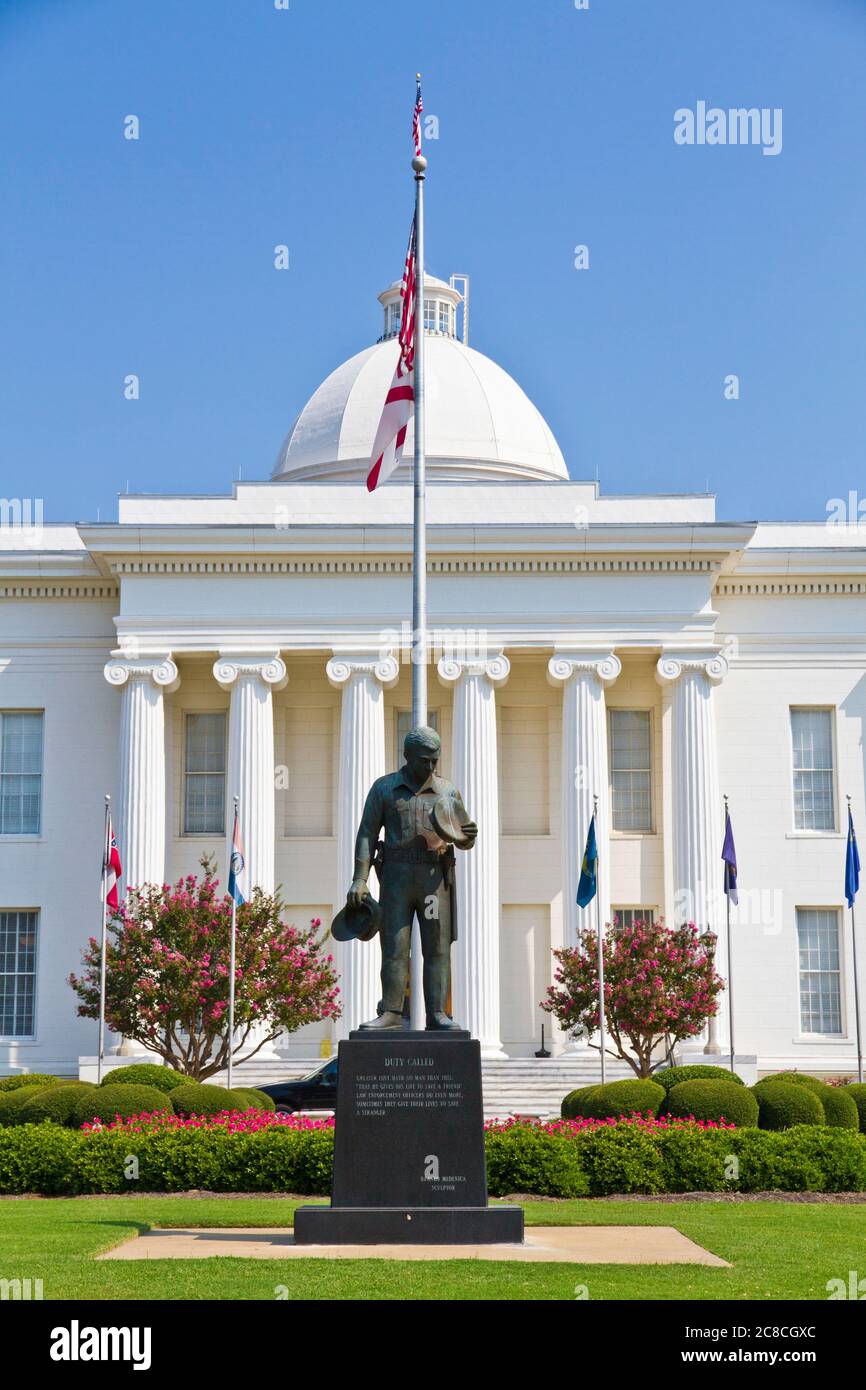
{"x": 601, "y": 1021}
{"x": 232, "y": 959}
{"x": 730, "y": 960}
{"x": 419, "y": 544}
{"x": 106, "y": 851}
{"x": 856, "y": 976}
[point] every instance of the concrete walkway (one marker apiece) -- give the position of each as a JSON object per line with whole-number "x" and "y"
{"x": 613, "y": 1245}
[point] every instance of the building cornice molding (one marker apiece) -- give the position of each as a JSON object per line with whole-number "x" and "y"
{"x": 52, "y": 590}
{"x": 386, "y": 564}
{"x": 778, "y": 587}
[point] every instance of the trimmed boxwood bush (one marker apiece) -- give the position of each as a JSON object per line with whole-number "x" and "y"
{"x": 857, "y": 1091}
{"x": 781, "y": 1105}
{"x": 839, "y": 1110}
{"x": 523, "y": 1159}
{"x": 257, "y": 1099}
{"x": 570, "y": 1108}
{"x": 12, "y": 1101}
{"x": 146, "y": 1074}
{"x": 713, "y": 1100}
{"x": 27, "y": 1078}
{"x": 196, "y": 1099}
{"x": 622, "y": 1098}
{"x": 107, "y": 1102}
{"x": 669, "y": 1077}
{"x": 54, "y": 1103}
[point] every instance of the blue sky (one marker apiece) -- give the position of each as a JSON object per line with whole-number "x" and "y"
{"x": 262, "y": 126}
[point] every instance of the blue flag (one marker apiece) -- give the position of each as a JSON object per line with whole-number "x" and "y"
{"x": 852, "y": 864}
{"x": 729, "y": 854}
{"x": 588, "y": 885}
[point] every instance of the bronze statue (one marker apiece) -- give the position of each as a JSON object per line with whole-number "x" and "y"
{"x": 423, "y": 817}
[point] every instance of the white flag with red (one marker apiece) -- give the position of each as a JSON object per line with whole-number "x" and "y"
{"x": 111, "y": 867}
{"x": 391, "y": 434}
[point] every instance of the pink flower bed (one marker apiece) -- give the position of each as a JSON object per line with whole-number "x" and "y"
{"x": 249, "y": 1121}
{"x": 235, "y": 1121}
{"x": 638, "y": 1121}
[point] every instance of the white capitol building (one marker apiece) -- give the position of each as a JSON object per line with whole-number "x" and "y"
{"x": 257, "y": 643}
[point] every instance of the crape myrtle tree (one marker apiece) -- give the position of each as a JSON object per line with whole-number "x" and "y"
{"x": 167, "y": 973}
{"x": 660, "y": 985}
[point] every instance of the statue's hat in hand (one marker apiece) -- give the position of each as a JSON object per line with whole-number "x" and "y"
{"x": 357, "y": 923}
{"x": 448, "y": 817}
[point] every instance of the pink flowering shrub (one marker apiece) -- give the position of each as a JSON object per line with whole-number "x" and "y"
{"x": 660, "y": 985}
{"x": 167, "y": 969}
{"x": 232, "y": 1121}
{"x": 652, "y": 1124}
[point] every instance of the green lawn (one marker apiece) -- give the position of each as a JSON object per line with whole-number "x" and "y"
{"x": 777, "y": 1249}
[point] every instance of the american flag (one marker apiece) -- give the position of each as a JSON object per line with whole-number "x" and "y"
{"x": 111, "y": 867}
{"x": 416, "y": 119}
{"x": 391, "y": 434}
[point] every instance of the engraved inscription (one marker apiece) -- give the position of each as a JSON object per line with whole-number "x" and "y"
{"x": 406, "y": 1086}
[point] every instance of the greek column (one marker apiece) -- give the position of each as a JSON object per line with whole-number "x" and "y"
{"x": 584, "y": 676}
{"x": 251, "y": 680}
{"x": 474, "y": 770}
{"x": 362, "y": 677}
{"x": 697, "y": 824}
{"x": 141, "y": 798}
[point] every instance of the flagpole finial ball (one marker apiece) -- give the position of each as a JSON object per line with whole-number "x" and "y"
{"x": 419, "y": 164}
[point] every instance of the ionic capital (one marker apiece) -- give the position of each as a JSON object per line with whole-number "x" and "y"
{"x": 160, "y": 670}
{"x": 605, "y": 666}
{"x": 268, "y": 667}
{"x": 382, "y": 666}
{"x": 494, "y": 666}
{"x": 671, "y": 665}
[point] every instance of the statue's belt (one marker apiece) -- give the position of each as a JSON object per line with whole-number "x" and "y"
{"x": 413, "y": 854}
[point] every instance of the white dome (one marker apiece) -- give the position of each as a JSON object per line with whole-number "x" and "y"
{"x": 479, "y": 423}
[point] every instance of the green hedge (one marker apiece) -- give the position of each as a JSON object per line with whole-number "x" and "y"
{"x": 145, "y": 1074}
{"x": 782, "y": 1105}
{"x": 107, "y": 1102}
{"x": 523, "y": 1159}
{"x": 840, "y": 1110}
{"x": 605, "y": 1161}
{"x": 27, "y": 1078}
{"x": 620, "y": 1098}
{"x": 713, "y": 1100}
{"x": 857, "y": 1091}
{"x": 669, "y": 1077}
{"x": 54, "y": 1103}
{"x": 570, "y": 1108}
{"x": 196, "y": 1099}
{"x": 256, "y": 1100}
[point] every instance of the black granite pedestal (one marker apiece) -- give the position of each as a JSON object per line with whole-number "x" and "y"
{"x": 409, "y": 1148}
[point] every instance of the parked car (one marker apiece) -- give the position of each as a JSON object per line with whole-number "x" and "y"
{"x": 318, "y": 1091}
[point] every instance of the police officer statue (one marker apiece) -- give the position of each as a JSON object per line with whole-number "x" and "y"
{"x": 423, "y": 817}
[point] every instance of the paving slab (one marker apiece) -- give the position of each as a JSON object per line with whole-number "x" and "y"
{"x": 614, "y": 1245}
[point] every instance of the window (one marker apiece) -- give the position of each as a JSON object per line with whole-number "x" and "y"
{"x": 403, "y": 724}
{"x": 394, "y": 313}
{"x": 444, "y": 317}
{"x": 812, "y": 741}
{"x": 820, "y": 976}
{"x": 630, "y": 758}
{"x": 205, "y": 775}
{"x": 20, "y": 773}
{"x": 627, "y": 916}
{"x": 18, "y": 974}
{"x": 430, "y": 314}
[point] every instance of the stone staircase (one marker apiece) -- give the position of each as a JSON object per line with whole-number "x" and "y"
{"x": 511, "y": 1086}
